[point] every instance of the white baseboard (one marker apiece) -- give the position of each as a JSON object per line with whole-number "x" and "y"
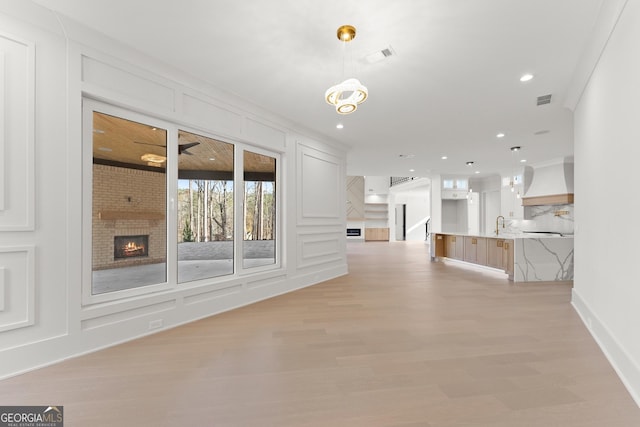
{"x": 622, "y": 363}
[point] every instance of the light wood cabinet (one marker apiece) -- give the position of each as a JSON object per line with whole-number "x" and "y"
{"x": 454, "y": 247}
{"x": 475, "y": 250}
{"x": 481, "y": 251}
{"x": 487, "y": 251}
{"x": 376, "y": 234}
{"x": 440, "y": 245}
{"x": 495, "y": 253}
{"x": 470, "y": 248}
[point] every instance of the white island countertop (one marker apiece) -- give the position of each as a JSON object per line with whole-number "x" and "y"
{"x": 522, "y": 235}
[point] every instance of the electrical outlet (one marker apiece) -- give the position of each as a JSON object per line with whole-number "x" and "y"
{"x": 155, "y": 324}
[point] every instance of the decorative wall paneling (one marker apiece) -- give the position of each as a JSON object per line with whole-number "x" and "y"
{"x": 2, "y": 130}
{"x": 123, "y": 82}
{"x": 17, "y": 134}
{"x": 206, "y": 297}
{"x": 261, "y": 133}
{"x": 276, "y": 279}
{"x": 116, "y": 82}
{"x": 206, "y": 114}
{"x": 17, "y": 287}
{"x": 319, "y": 247}
{"x": 320, "y": 187}
{"x": 122, "y": 317}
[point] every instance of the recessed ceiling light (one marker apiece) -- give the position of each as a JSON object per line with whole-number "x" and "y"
{"x": 516, "y": 148}
{"x": 500, "y": 135}
{"x": 523, "y": 161}
{"x": 412, "y": 170}
{"x": 444, "y": 157}
{"x": 339, "y": 126}
{"x": 526, "y": 77}
{"x": 477, "y": 171}
{"x": 469, "y": 163}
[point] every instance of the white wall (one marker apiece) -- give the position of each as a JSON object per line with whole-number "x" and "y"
{"x": 416, "y": 195}
{"x": 42, "y": 316}
{"x": 435, "y": 203}
{"x": 417, "y": 210}
{"x": 491, "y": 204}
{"x": 490, "y": 198}
{"x": 607, "y": 149}
{"x": 376, "y": 185}
{"x": 456, "y": 216}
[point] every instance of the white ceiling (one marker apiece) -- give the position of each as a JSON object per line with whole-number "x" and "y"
{"x": 451, "y": 86}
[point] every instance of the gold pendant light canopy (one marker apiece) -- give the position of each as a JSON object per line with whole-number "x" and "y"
{"x": 346, "y": 33}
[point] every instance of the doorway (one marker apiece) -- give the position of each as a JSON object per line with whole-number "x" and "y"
{"x": 401, "y": 221}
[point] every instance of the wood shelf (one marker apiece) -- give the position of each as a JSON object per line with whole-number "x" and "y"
{"x": 128, "y": 215}
{"x": 557, "y": 199}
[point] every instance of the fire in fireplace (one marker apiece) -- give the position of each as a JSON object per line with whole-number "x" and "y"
{"x": 130, "y": 246}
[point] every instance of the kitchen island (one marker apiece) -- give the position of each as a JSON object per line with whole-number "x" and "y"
{"x": 524, "y": 257}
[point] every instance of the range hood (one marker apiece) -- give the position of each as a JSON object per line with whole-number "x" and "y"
{"x": 550, "y": 183}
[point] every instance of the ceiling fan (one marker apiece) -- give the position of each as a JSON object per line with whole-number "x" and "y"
{"x": 182, "y": 148}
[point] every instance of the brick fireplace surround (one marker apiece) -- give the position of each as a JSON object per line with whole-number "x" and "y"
{"x": 128, "y": 202}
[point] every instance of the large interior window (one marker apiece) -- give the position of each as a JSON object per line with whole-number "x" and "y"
{"x": 161, "y": 207}
{"x": 129, "y": 229}
{"x": 205, "y": 207}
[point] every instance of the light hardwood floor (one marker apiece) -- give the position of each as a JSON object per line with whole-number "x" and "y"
{"x": 400, "y": 341}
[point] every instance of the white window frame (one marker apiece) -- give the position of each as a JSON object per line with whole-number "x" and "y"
{"x": 88, "y": 108}
{"x": 239, "y": 207}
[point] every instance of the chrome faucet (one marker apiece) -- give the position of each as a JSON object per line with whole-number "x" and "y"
{"x": 498, "y": 222}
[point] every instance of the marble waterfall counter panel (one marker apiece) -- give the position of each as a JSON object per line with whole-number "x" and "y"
{"x": 543, "y": 259}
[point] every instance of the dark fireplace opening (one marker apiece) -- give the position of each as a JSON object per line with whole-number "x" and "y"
{"x": 130, "y": 246}
{"x": 353, "y": 232}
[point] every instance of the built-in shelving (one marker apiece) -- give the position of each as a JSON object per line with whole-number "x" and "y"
{"x": 376, "y": 221}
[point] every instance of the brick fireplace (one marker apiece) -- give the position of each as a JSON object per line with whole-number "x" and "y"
{"x": 129, "y": 204}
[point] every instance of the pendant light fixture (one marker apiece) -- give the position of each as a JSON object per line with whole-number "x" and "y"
{"x": 347, "y": 95}
{"x": 514, "y": 153}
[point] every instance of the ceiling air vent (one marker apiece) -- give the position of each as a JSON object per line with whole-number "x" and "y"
{"x": 544, "y": 99}
{"x": 379, "y": 55}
